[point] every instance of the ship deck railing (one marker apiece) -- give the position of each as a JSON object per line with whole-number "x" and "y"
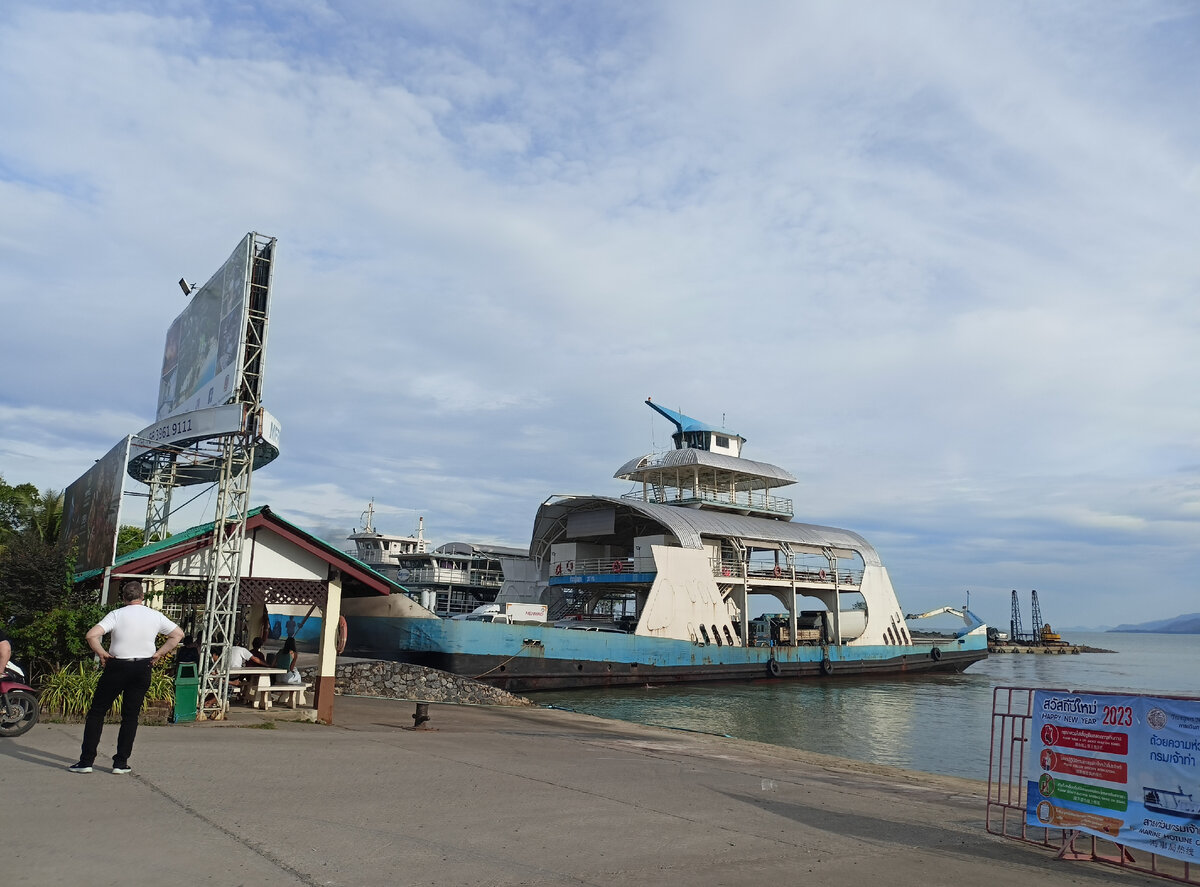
{"x": 595, "y": 567}
{"x": 440, "y": 576}
{"x": 451, "y": 576}
{"x": 739, "y": 500}
{"x": 806, "y": 574}
{"x": 729, "y": 570}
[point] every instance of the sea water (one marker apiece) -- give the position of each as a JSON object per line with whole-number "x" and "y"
{"x": 934, "y": 723}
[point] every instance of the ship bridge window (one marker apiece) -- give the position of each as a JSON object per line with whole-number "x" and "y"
{"x": 722, "y": 441}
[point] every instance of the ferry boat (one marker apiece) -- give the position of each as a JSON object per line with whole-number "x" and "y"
{"x": 657, "y": 586}
{"x": 1178, "y": 803}
{"x": 451, "y": 579}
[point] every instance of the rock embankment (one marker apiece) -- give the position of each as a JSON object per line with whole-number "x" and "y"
{"x": 400, "y": 680}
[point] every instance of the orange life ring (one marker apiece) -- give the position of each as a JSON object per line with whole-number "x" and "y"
{"x": 725, "y": 571}
{"x": 778, "y": 572}
{"x": 822, "y": 575}
{"x": 617, "y": 567}
{"x": 342, "y": 634}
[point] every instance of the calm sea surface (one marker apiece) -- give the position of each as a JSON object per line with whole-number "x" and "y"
{"x": 935, "y": 724}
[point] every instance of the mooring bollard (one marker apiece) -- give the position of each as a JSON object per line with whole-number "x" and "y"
{"x": 421, "y": 715}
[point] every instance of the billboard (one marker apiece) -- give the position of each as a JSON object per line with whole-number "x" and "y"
{"x": 1119, "y": 767}
{"x": 92, "y": 510}
{"x": 202, "y": 359}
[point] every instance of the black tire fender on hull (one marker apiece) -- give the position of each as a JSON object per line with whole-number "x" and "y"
{"x": 523, "y": 674}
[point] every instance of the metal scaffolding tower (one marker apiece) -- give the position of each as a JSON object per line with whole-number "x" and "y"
{"x": 228, "y": 457}
{"x": 225, "y": 570}
{"x": 161, "y": 481}
{"x": 1015, "y": 632}
{"x": 233, "y": 496}
{"x": 1036, "y": 636}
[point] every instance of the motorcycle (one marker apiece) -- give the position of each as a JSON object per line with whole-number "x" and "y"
{"x": 19, "y": 707}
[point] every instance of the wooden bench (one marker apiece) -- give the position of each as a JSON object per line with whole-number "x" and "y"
{"x": 295, "y": 692}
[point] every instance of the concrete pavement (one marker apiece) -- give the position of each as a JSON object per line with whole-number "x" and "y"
{"x": 490, "y": 796}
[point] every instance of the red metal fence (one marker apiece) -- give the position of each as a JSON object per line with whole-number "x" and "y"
{"x": 1012, "y": 716}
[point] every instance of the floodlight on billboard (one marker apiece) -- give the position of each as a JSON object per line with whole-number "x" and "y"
{"x": 202, "y": 360}
{"x": 92, "y": 510}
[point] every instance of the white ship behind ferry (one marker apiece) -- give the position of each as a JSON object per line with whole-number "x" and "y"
{"x": 453, "y": 578}
{"x": 652, "y": 587}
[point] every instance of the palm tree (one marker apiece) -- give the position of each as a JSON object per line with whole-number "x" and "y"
{"x": 44, "y": 519}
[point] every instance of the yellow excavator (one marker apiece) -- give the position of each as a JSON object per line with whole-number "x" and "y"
{"x": 1049, "y": 636}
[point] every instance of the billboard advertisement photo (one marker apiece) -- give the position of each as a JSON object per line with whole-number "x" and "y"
{"x": 203, "y": 355}
{"x": 92, "y": 510}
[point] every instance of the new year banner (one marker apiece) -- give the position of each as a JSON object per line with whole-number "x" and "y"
{"x": 1121, "y": 767}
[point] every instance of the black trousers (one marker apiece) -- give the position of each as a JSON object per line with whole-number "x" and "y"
{"x": 130, "y": 679}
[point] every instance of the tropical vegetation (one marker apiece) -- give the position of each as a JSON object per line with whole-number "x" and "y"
{"x": 43, "y": 612}
{"x": 67, "y": 692}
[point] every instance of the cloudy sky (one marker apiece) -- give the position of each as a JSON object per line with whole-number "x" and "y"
{"x": 937, "y": 259}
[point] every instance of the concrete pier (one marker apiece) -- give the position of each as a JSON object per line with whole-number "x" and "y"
{"x": 496, "y": 796}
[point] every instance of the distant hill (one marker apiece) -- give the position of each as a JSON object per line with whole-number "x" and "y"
{"x": 1189, "y": 623}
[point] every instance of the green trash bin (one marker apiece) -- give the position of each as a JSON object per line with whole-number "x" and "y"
{"x": 187, "y": 693}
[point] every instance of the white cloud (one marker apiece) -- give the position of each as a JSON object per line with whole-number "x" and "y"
{"x": 935, "y": 259}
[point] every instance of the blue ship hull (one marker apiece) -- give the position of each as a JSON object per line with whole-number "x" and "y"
{"x": 537, "y": 657}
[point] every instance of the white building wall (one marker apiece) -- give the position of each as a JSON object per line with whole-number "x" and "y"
{"x": 266, "y": 554}
{"x": 271, "y": 556}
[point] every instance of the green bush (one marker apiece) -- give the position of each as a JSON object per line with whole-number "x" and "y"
{"x": 67, "y": 692}
{"x": 54, "y": 637}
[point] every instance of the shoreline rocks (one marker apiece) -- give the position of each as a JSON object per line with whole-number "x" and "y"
{"x": 384, "y": 679}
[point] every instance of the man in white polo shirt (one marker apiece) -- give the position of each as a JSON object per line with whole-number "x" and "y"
{"x": 127, "y": 663}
